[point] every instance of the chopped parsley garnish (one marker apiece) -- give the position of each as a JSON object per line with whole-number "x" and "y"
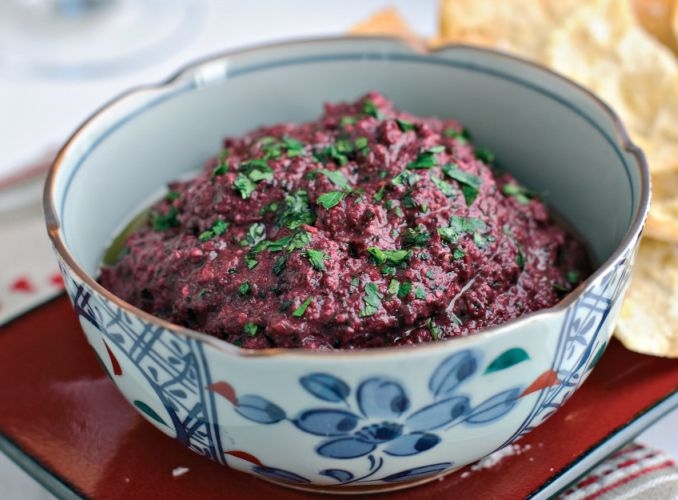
{"x": 299, "y": 311}
{"x": 393, "y": 287}
{"x": 404, "y": 289}
{"x": 218, "y": 228}
{"x": 361, "y": 143}
{"x": 405, "y": 178}
{"x": 572, "y": 277}
{"x": 335, "y": 153}
{"x": 420, "y": 293}
{"x": 293, "y": 147}
{"x": 243, "y": 185}
{"x": 331, "y": 199}
{"x": 445, "y": 187}
{"x": 250, "y": 329}
{"x": 458, "y": 253}
{"x": 379, "y": 195}
{"x": 347, "y": 120}
{"x": 415, "y": 237}
{"x": 256, "y": 170}
{"x": 485, "y": 155}
{"x": 163, "y": 222}
{"x": 172, "y": 196}
{"x": 435, "y": 331}
{"x": 336, "y": 177}
{"x": 520, "y": 193}
{"x": 371, "y": 109}
{"x": 461, "y": 137}
{"x": 389, "y": 257}
{"x": 470, "y": 184}
{"x": 372, "y": 300}
{"x": 244, "y": 288}
{"x": 219, "y": 170}
{"x": 316, "y": 258}
{"x": 279, "y": 265}
{"x": 404, "y": 125}
{"x": 460, "y": 225}
{"x": 426, "y": 159}
{"x": 520, "y": 258}
{"x": 355, "y": 281}
{"x": 297, "y": 211}
{"x": 255, "y": 234}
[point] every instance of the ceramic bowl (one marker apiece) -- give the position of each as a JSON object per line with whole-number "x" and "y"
{"x": 366, "y": 420}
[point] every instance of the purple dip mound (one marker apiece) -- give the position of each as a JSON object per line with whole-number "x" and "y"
{"x": 369, "y": 227}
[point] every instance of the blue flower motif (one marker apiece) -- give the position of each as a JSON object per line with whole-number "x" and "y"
{"x": 384, "y": 422}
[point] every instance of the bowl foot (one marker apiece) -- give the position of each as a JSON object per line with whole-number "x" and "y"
{"x": 361, "y": 489}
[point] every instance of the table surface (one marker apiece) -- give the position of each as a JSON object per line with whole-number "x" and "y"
{"x": 38, "y": 114}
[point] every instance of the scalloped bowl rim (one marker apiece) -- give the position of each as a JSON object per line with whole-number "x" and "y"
{"x": 192, "y": 70}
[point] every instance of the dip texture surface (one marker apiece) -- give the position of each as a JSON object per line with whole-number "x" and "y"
{"x": 367, "y": 228}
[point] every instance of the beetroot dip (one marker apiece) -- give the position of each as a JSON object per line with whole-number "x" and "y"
{"x": 369, "y": 227}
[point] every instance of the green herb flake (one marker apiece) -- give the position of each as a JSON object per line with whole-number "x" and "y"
{"x": 379, "y": 195}
{"x": 393, "y": 287}
{"x": 244, "y": 186}
{"x": 485, "y": 155}
{"x": 166, "y": 221}
{"x": 279, "y": 265}
{"x": 404, "y": 289}
{"x": 172, "y": 196}
{"x": 297, "y": 211}
{"x": 445, "y": 187}
{"x": 425, "y": 160}
{"x": 255, "y": 233}
{"x": 391, "y": 257}
{"x": 331, "y": 199}
{"x": 405, "y": 178}
{"x": 371, "y": 109}
{"x": 219, "y": 227}
{"x": 316, "y": 258}
{"x": 461, "y": 137}
{"x": 420, "y": 293}
{"x": 220, "y": 169}
{"x": 399, "y": 212}
{"x": 361, "y": 143}
{"x": 573, "y": 277}
{"x": 415, "y": 237}
{"x": 460, "y": 225}
{"x": 355, "y": 282}
{"x": 298, "y": 241}
{"x": 520, "y": 258}
{"x": 336, "y": 177}
{"x": 250, "y": 329}
{"x": 520, "y": 193}
{"x": 458, "y": 253}
{"x": 347, "y": 120}
{"x": 244, "y": 288}
{"x": 293, "y": 147}
{"x": 372, "y": 300}
{"x": 404, "y": 125}
{"x": 205, "y": 236}
{"x": 470, "y": 184}
{"x": 435, "y": 331}
{"x": 299, "y": 311}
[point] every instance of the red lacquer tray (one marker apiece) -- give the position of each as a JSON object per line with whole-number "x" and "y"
{"x": 64, "y": 422}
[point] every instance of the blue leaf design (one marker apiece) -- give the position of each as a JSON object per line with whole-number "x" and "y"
{"x": 411, "y": 444}
{"x": 495, "y": 407}
{"x": 452, "y": 372}
{"x": 382, "y": 398}
{"x": 439, "y": 414}
{"x": 328, "y": 422}
{"x": 280, "y": 474}
{"x": 259, "y": 410}
{"x": 424, "y": 470}
{"x": 325, "y": 386}
{"x": 348, "y": 447}
{"x": 178, "y": 393}
{"x": 340, "y": 475}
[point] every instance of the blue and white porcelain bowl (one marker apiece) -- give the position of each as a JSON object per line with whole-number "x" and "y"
{"x": 365, "y": 420}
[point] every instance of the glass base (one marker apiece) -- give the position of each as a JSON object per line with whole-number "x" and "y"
{"x": 78, "y": 39}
